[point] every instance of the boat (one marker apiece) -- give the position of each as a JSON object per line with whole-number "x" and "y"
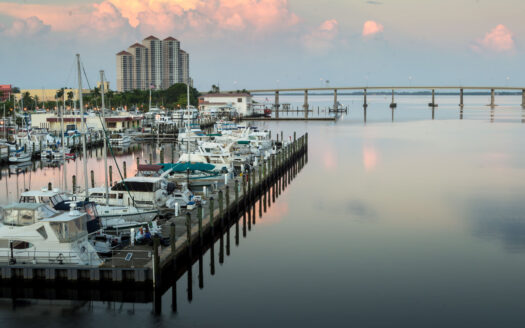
{"x": 119, "y": 139}
{"x": 61, "y": 201}
{"x": 140, "y": 192}
{"x": 20, "y": 156}
{"x": 37, "y": 234}
{"x": 124, "y": 217}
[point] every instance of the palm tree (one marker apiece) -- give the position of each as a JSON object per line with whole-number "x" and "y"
{"x": 70, "y": 96}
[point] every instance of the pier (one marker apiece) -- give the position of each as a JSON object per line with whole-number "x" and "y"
{"x": 185, "y": 237}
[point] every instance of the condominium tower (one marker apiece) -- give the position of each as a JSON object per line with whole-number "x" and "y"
{"x": 153, "y": 64}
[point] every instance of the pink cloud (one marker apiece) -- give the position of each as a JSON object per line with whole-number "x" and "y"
{"x": 370, "y": 28}
{"x": 162, "y": 16}
{"x": 499, "y": 39}
{"x": 30, "y": 26}
{"x": 322, "y": 38}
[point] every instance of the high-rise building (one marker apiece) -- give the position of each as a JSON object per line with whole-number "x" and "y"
{"x": 154, "y": 63}
{"x": 139, "y": 53}
{"x": 170, "y": 50}
{"x": 184, "y": 59}
{"x": 124, "y": 71}
{"x": 154, "y": 58}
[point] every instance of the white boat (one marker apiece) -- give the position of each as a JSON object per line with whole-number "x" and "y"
{"x": 182, "y": 197}
{"x": 124, "y": 217}
{"x": 140, "y": 192}
{"x": 119, "y": 139}
{"x": 190, "y": 114}
{"x": 37, "y": 234}
{"x": 20, "y": 156}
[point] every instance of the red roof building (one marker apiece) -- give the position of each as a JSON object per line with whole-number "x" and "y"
{"x": 5, "y": 91}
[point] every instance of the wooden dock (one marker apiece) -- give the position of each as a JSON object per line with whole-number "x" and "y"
{"x": 190, "y": 234}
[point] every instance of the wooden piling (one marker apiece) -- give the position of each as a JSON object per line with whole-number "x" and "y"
{"x": 173, "y": 238}
{"x": 188, "y": 232}
{"x": 124, "y": 169}
{"x": 74, "y": 183}
{"x": 110, "y": 175}
{"x": 92, "y": 179}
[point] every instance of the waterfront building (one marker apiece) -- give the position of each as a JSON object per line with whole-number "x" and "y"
{"x": 138, "y": 67}
{"x": 5, "y": 91}
{"x": 171, "y": 69}
{"x": 50, "y": 94}
{"x": 124, "y": 71}
{"x": 240, "y": 102}
{"x": 184, "y": 59}
{"x": 153, "y": 64}
{"x": 115, "y": 121}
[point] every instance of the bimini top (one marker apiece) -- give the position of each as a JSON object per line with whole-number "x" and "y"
{"x": 183, "y": 167}
{"x": 23, "y": 206}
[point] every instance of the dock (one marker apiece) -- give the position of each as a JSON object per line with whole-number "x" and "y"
{"x": 185, "y": 237}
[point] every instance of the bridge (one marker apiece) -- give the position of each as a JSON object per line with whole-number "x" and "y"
{"x": 365, "y": 89}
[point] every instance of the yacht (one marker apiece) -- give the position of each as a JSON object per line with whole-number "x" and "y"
{"x": 119, "y": 139}
{"x": 37, "y": 234}
{"x": 20, "y": 156}
{"x": 140, "y": 192}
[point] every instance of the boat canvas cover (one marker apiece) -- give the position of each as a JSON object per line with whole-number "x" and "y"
{"x": 183, "y": 167}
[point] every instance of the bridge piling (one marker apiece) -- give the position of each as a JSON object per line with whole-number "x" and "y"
{"x": 433, "y": 103}
{"x": 393, "y": 104}
{"x": 461, "y": 97}
{"x": 492, "y": 104}
{"x": 335, "y": 100}
{"x": 523, "y": 98}
{"x": 365, "y": 105}
{"x": 305, "y": 105}
{"x": 276, "y": 105}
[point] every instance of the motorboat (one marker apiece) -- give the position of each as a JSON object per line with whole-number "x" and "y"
{"x": 61, "y": 201}
{"x": 20, "y": 156}
{"x": 140, "y": 192}
{"x": 37, "y": 234}
{"x": 119, "y": 139}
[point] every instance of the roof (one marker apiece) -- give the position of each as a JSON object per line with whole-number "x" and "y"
{"x": 123, "y": 53}
{"x": 184, "y": 52}
{"x": 45, "y": 193}
{"x": 151, "y": 37}
{"x": 142, "y": 179}
{"x": 23, "y": 206}
{"x": 137, "y": 45}
{"x": 169, "y": 38}
{"x": 149, "y": 167}
{"x": 64, "y": 217}
{"x": 182, "y": 167}
{"x": 216, "y": 95}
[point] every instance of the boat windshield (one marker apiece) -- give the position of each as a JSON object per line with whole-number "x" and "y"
{"x": 57, "y": 199}
{"x": 23, "y": 217}
{"x": 71, "y": 230}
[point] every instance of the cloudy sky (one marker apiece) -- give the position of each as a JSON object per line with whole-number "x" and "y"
{"x": 270, "y": 43}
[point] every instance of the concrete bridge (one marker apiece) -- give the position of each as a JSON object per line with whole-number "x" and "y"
{"x": 365, "y": 89}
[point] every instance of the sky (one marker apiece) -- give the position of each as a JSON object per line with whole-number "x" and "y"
{"x": 271, "y": 43}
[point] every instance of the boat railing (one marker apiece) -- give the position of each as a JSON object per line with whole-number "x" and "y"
{"x": 49, "y": 257}
{"x": 115, "y": 258}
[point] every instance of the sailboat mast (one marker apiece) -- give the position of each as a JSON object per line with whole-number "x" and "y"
{"x": 83, "y": 129}
{"x": 62, "y": 139}
{"x": 105, "y": 138}
{"x": 188, "y": 129}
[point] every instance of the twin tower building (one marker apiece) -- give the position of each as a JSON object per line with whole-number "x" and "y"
{"x": 155, "y": 64}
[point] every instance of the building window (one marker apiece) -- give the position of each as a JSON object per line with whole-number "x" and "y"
{"x": 239, "y": 99}
{"x": 112, "y": 125}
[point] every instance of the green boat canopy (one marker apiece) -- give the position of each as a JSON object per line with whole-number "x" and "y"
{"x": 183, "y": 167}
{"x": 243, "y": 142}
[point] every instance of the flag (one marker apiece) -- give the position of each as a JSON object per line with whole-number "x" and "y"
{"x": 152, "y": 86}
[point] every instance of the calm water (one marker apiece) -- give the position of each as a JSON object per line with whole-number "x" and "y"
{"x": 411, "y": 223}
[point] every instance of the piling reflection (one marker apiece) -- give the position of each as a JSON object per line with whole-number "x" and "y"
{"x": 184, "y": 264}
